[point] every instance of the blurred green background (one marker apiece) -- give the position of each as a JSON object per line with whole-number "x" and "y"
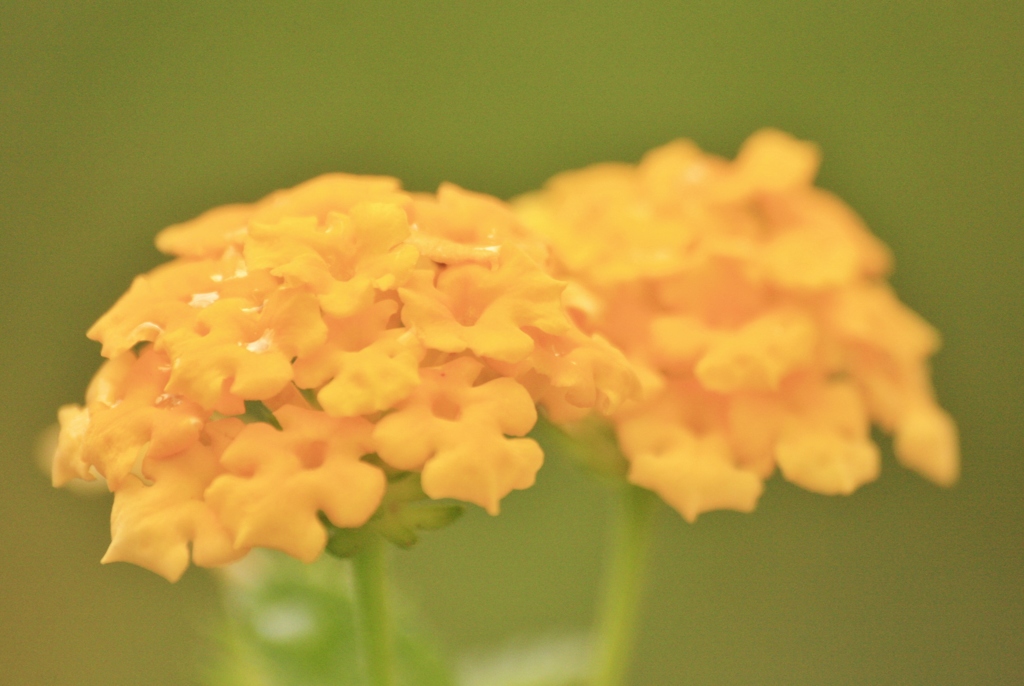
{"x": 118, "y": 118}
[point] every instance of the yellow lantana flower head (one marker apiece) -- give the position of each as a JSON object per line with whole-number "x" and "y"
{"x": 756, "y": 308}
{"x": 301, "y": 353}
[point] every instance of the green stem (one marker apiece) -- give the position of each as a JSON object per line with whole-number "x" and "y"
{"x": 370, "y": 585}
{"x": 623, "y": 584}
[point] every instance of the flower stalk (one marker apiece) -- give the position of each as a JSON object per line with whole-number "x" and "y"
{"x": 369, "y": 579}
{"x": 622, "y": 591}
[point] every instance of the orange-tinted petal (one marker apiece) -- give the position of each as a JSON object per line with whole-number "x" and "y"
{"x": 692, "y": 474}
{"x": 156, "y": 525}
{"x": 759, "y": 355}
{"x": 136, "y": 420}
{"x": 927, "y": 442}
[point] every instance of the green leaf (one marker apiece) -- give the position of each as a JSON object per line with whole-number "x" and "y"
{"x": 342, "y": 542}
{"x": 293, "y": 624}
{"x": 309, "y": 394}
{"x": 256, "y": 411}
{"x": 432, "y": 515}
{"x": 404, "y": 511}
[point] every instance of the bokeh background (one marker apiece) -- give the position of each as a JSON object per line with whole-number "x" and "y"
{"x": 119, "y": 118}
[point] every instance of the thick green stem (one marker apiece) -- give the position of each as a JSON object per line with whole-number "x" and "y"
{"x": 370, "y": 584}
{"x": 622, "y": 592}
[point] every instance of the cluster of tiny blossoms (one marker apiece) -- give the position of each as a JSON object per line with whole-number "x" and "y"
{"x": 353, "y": 319}
{"x": 756, "y": 309}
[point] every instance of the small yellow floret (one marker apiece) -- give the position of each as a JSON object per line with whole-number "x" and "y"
{"x": 156, "y": 523}
{"x": 484, "y": 309}
{"x": 692, "y": 473}
{"x": 343, "y": 262}
{"x": 364, "y": 366}
{"x": 458, "y": 226}
{"x": 758, "y": 355}
{"x": 456, "y": 433}
{"x": 279, "y": 480}
{"x": 132, "y": 417}
{"x": 247, "y": 352}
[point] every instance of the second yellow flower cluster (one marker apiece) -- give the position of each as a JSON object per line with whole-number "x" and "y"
{"x": 755, "y": 307}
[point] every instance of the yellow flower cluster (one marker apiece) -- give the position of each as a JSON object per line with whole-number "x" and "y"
{"x": 355, "y": 319}
{"x": 756, "y": 309}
